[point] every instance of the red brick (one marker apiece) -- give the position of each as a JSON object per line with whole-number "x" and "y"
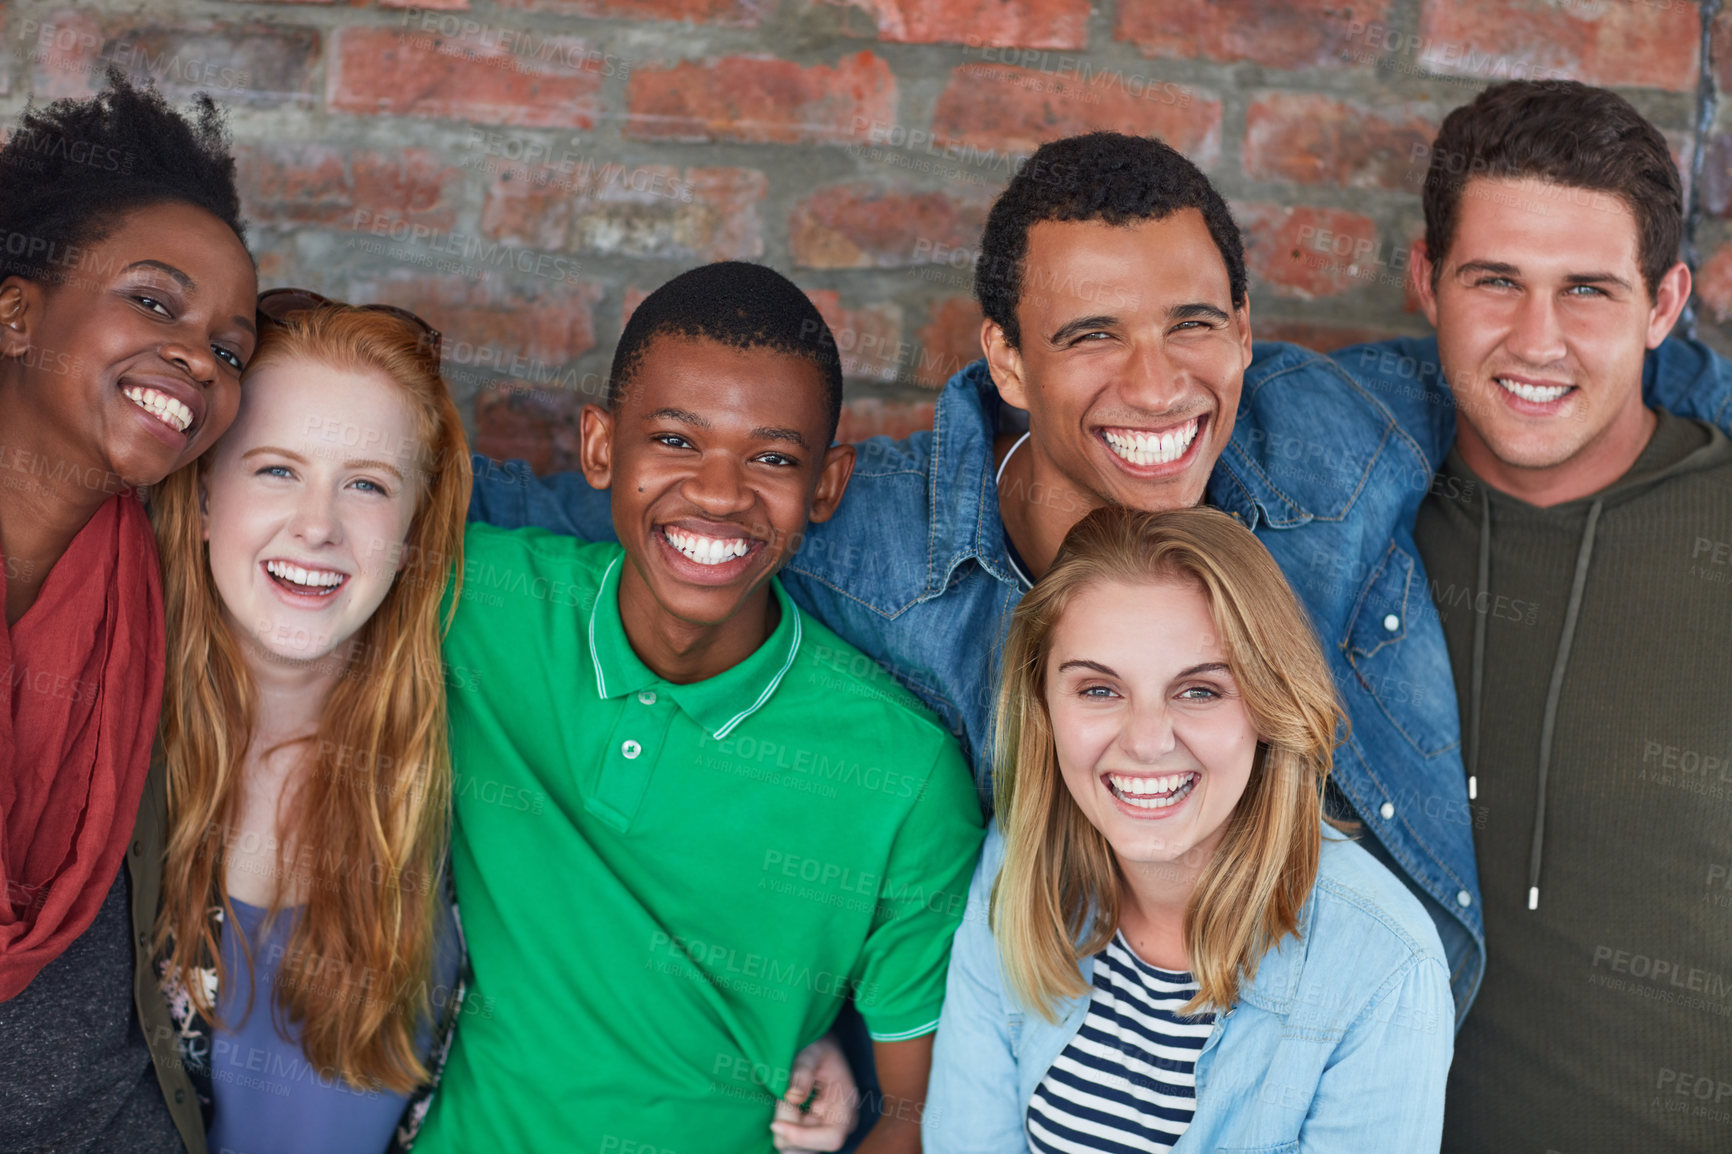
{"x": 63, "y": 49}
{"x": 1315, "y": 140}
{"x": 1714, "y": 283}
{"x": 1311, "y": 252}
{"x": 322, "y": 184}
{"x": 864, "y": 417}
{"x": 869, "y": 338}
{"x": 657, "y": 211}
{"x": 949, "y": 340}
{"x": 760, "y": 99}
{"x": 732, "y": 13}
{"x": 1276, "y": 33}
{"x": 523, "y": 328}
{"x": 995, "y": 107}
{"x": 1324, "y": 338}
{"x": 540, "y": 426}
{"x": 1645, "y": 45}
{"x": 256, "y": 64}
{"x": 483, "y": 78}
{"x": 977, "y": 23}
{"x": 870, "y": 226}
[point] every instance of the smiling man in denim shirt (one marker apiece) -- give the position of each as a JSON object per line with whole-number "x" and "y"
{"x": 1118, "y": 337}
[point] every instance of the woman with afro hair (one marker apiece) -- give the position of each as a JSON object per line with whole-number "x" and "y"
{"x": 126, "y": 316}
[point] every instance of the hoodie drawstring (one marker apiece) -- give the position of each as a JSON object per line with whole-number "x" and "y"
{"x": 1478, "y": 644}
{"x": 1583, "y": 556}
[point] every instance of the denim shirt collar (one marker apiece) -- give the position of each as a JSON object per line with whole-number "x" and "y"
{"x": 970, "y": 414}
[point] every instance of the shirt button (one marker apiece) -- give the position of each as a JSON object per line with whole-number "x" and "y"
{"x": 1464, "y": 898}
{"x": 1392, "y": 623}
{"x": 1388, "y": 811}
{"x": 137, "y": 848}
{"x": 631, "y": 749}
{"x": 647, "y": 697}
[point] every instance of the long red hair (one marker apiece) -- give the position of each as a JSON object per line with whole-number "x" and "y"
{"x": 368, "y": 823}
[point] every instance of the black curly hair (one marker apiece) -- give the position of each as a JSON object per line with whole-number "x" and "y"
{"x": 72, "y": 170}
{"x": 738, "y": 304}
{"x": 1105, "y": 176}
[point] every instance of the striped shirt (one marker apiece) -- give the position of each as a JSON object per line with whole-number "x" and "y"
{"x": 1128, "y": 1080}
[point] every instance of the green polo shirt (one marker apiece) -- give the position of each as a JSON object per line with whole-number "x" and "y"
{"x": 667, "y": 890}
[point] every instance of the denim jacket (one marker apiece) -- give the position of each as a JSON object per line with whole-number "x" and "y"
{"x": 913, "y": 570}
{"x": 1340, "y": 1043}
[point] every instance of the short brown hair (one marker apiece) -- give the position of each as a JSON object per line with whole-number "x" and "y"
{"x": 1566, "y": 133}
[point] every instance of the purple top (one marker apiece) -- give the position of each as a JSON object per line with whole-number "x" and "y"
{"x": 267, "y": 1098}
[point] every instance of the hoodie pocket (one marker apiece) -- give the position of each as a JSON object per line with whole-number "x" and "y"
{"x": 1395, "y": 644}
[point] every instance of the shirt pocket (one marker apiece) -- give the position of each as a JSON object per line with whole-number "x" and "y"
{"x": 1395, "y": 645}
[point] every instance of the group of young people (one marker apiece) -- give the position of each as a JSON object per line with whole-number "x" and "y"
{"x": 1159, "y": 753}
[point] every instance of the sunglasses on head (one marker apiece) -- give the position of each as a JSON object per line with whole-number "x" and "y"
{"x": 278, "y": 305}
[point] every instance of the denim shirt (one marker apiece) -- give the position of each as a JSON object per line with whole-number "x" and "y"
{"x": 913, "y": 570}
{"x": 1340, "y": 1043}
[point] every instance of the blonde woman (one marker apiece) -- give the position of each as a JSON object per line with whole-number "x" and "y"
{"x": 1165, "y": 947}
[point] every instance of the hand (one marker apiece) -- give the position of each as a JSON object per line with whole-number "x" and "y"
{"x": 826, "y": 1124}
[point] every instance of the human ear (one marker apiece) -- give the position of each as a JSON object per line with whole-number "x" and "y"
{"x": 1420, "y": 273}
{"x": 20, "y": 301}
{"x": 1670, "y": 296}
{"x": 595, "y": 435}
{"x": 832, "y": 482}
{"x": 1005, "y": 363}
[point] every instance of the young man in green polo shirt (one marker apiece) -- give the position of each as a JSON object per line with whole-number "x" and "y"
{"x": 690, "y": 821}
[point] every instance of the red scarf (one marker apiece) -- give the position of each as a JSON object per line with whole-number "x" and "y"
{"x": 83, "y": 688}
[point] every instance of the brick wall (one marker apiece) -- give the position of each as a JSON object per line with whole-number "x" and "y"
{"x": 522, "y": 172}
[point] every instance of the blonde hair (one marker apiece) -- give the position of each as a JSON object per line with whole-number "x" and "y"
{"x": 1057, "y": 897}
{"x": 369, "y": 821}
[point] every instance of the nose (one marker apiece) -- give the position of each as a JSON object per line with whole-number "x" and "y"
{"x": 1152, "y": 381}
{"x": 192, "y": 356}
{"x": 717, "y": 486}
{"x": 1535, "y": 336}
{"x": 1148, "y": 736}
{"x": 314, "y": 521}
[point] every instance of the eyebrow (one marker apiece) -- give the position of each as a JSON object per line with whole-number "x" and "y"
{"x": 187, "y": 283}
{"x": 1500, "y": 268}
{"x": 773, "y": 434}
{"x": 1196, "y": 311}
{"x": 1206, "y": 667}
{"x": 1082, "y": 325}
{"x": 677, "y": 415}
{"x": 182, "y": 279}
{"x": 357, "y": 463}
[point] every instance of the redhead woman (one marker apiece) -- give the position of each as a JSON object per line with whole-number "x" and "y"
{"x": 310, "y": 954}
{"x": 1167, "y": 946}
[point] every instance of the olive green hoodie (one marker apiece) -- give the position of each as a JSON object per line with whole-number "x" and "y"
{"x": 1592, "y": 651}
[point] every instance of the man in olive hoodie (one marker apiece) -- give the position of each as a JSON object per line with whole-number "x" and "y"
{"x": 1579, "y": 547}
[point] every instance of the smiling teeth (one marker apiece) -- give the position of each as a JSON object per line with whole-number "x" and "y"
{"x": 707, "y": 550}
{"x": 312, "y": 578}
{"x": 161, "y": 406}
{"x": 1153, "y": 792}
{"x": 1539, "y": 394}
{"x": 1152, "y": 448}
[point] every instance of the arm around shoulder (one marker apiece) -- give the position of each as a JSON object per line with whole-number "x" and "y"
{"x": 1689, "y": 379}
{"x": 510, "y": 495}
